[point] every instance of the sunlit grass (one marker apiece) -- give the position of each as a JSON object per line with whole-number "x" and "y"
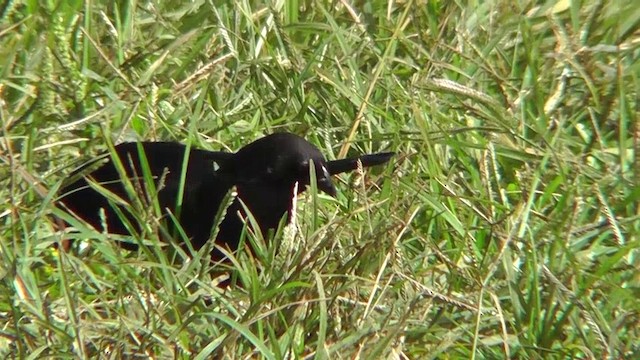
{"x": 506, "y": 226}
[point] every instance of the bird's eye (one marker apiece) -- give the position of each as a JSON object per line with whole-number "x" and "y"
{"x": 325, "y": 172}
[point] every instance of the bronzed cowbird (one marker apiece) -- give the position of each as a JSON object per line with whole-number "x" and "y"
{"x": 263, "y": 172}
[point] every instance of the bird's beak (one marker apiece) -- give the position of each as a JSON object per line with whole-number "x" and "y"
{"x": 336, "y": 167}
{"x": 326, "y": 185}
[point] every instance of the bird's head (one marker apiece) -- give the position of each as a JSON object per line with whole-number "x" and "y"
{"x": 279, "y": 161}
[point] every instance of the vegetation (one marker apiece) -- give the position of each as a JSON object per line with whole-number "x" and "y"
{"x": 507, "y": 226}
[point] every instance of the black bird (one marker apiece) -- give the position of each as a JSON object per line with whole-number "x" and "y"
{"x": 264, "y": 173}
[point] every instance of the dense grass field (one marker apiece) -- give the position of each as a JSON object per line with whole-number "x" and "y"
{"x": 507, "y": 225}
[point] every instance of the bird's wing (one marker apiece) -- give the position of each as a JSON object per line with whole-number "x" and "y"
{"x": 163, "y": 158}
{"x": 166, "y": 160}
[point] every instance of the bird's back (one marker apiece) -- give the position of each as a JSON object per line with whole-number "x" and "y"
{"x": 165, "y": 162}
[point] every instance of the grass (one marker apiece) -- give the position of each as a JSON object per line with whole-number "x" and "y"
{"x": 506, "y": 227}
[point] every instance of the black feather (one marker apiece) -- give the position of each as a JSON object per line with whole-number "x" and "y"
{"x": 264, "y": 173}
